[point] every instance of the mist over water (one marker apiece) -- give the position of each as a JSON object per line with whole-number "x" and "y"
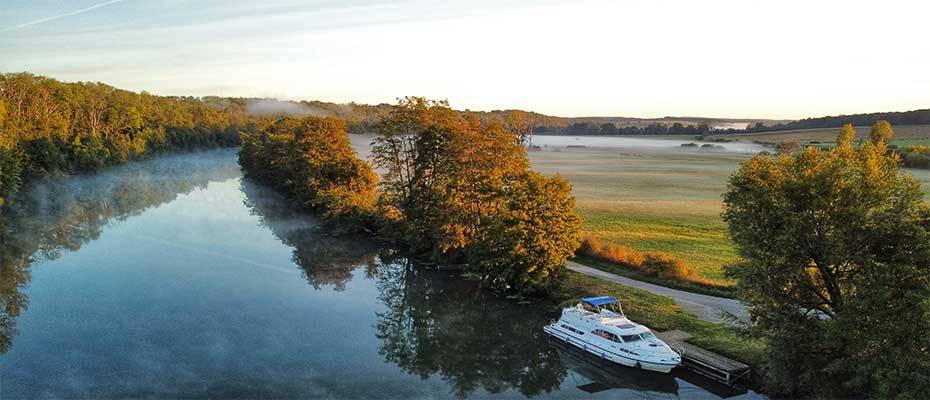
{"x": 176, "y": 277}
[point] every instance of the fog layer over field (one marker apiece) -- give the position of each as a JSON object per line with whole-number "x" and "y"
{"x": 628, "y": 143}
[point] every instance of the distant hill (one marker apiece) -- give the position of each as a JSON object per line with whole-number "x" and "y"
{"x": 913, "y": 117}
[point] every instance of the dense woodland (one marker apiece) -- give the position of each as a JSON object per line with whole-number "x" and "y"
{"x": 47, "y": 126}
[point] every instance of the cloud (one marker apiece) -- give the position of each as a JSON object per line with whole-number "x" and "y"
{"x": 59, "y": 16}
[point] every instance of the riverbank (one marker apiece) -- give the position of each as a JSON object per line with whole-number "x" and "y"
{"x": 661, "y": 313}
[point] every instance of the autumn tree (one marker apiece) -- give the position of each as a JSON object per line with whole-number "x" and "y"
{"x": 452, "y": 178}
{"x": 836, "y": 269}
{"x": 881, "y": 132}
{"x": 313, "y": 161}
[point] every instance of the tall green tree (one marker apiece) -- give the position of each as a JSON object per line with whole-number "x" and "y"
{"x": 836, "y": 269}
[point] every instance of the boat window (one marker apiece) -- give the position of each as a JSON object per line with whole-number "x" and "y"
{"x": 606, "y": 335}
{"x": 630, "y": 338}
{"x": 578, "y": 331}
{"x": 648, "y": 336}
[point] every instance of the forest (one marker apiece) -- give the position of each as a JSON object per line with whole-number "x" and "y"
{"x": 47, "y": 126}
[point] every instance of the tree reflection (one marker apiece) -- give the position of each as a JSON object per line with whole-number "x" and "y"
{"x": 438, "y": 323}
{"x": 62, "y": 214}
{"x": 324, "y": 256}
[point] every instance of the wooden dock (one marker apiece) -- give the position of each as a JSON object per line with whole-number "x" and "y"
{"x": 704, "y": 362}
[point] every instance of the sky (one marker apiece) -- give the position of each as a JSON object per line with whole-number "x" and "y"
{"x": 652, "y": 58}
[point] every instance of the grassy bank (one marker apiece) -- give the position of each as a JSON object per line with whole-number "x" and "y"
{"x": 661, "y": 314}
{"x": 724, "y": 291}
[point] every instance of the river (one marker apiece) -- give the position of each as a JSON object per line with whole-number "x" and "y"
{"x": 176, "y": 277}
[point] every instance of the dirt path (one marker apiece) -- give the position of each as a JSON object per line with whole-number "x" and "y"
{"x": 708, "y": 308}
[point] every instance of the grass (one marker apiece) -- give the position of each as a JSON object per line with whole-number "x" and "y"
{"x": 661, "y": 313}
{"x": 667, "y": 201}
{"x": 710, "y": 290}
{"x": 654, "y": 201}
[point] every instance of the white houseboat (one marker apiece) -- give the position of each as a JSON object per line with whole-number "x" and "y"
{"x": 597, "y": 325}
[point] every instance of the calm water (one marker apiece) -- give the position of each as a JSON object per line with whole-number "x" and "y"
{"x": 177, "y": 278}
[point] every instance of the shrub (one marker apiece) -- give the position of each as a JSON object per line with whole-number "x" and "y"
{"x": 654, "y": 264}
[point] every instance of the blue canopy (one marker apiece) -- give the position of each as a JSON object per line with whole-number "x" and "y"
{"x": 599, "y": 300}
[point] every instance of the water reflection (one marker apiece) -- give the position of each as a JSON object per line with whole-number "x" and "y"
{"x": 63, "y": 213}
{"x": 324, "y": 256}
{"x": 440, "y": 324}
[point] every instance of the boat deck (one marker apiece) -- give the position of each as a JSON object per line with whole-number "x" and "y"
{"x": 703, "y": 361}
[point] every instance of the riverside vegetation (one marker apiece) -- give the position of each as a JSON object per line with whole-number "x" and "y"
{"x": 835, "y": 268}
{"x": 47, "y": 126}
{"x": 456, "y": 190}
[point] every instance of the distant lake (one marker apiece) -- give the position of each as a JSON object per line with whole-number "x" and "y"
{"x": 176, "y": 277}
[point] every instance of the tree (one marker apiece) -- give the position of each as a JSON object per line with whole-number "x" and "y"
{"x": 846, "y": 137}
{"x": 528, "y": 241}
{"x": 312, "y": 159}
{"x": 452, "y": 179}
{"x": 881, "y": 132}
{"x": 835, "y": 270}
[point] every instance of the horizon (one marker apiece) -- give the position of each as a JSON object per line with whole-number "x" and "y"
{"x": 474, "y": 54}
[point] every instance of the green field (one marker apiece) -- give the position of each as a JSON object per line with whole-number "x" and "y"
{"x": 667, "y": 201}
{"x": 656, "y": 200}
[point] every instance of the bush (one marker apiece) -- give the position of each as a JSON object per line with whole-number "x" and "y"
{"x": 654, "y": 264}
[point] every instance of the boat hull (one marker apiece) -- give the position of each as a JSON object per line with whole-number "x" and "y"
{"x": 605, "y": 354}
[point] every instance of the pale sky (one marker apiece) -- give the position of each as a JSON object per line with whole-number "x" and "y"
{"x": 741, "y": 59}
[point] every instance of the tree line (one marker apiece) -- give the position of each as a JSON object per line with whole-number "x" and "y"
{"x": 47, "y": 126}
{"x": 609, "y": 128}
{"x": 913, "y": 117}
{"x": 836, "y": 268}
{"x": 456, "y": 189}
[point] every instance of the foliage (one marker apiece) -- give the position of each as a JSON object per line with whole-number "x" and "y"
{"x": 50, "y": 126}
{"x": 464, "y": 191}
{"x": 528, "y": 240}
{"x": 652, "y": 264}
{"x": 312, "y": 160}
{"x": 836, "y": 270}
